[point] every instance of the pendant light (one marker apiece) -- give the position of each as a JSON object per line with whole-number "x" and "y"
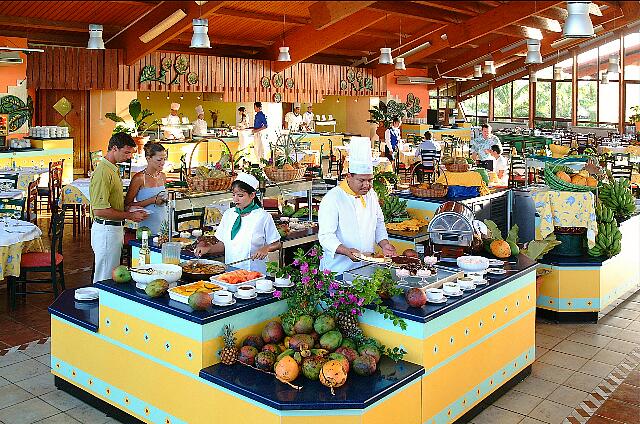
{"x": 400, "y": 60}
{"x": 533, "y": 51}
{"x": 284, "y": 55}
{"x": 604, "y": 79}
{"x": 489, "y": 67}
{"x": 477, "y": 71}
{"x": 557, "y": 73}
{"x": 578, "y": 23}
{"x": 95, "y": 37}
{"x": 533, "y": 77}
{"x": 200, "y": 38}
{"x": 385, "y": 53}
{"x": 614, "y": 65}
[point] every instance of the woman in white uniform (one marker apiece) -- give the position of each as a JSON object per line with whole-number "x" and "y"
{"x": 200, "y": 125}
{"x": 246, "y": 231}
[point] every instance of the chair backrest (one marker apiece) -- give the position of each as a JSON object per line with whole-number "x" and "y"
{"x": 185, "y": 219}
{"x": 8, "y": 181}
{"x": 621, "y": 171}
{"x": 125, "y": 169}
{"x": 517, "y": 163}
{"x": 31, "y": 213}
{"x": 429, "y": 159}
{"x": 55, "y": 181}
{"x": 95, "y": 158}
{"x": 57, "y": 233}
{"x": 11, "y": 207}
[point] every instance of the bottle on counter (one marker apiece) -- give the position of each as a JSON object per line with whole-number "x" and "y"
{"x": 144, "y": 257}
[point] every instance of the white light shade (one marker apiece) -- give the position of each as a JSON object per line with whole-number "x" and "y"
{"x": 385, "y": 56}
{"x": 284, "y": 55}
{"x": 489, "y": 67}
{"x": 557, "y": 73}
{"x": 578, "y": 23}
{"x": 533, "y": 77}
{"x": 533, "y": 51}
{"x": 614, "y": 65}
{"x": 95, "y": 38}
{"x": 200, "y": 38}
{"x": 605, "y": 78}
{"x": 477, "y": 71}
{"x": 400, "y": 64}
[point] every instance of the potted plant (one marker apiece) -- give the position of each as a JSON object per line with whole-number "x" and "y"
{"x": 137, "y": 128}
{"x": 384, "y": 113}
{"x": 635, "y": 118}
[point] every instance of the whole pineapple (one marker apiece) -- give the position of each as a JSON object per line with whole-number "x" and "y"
{"x": 348, "y": 325}
{"x": 228, "y": 354}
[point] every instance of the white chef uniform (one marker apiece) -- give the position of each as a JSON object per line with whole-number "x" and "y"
{"x": 294, "y": 122}
{"x": 199, "y": 125}
{"x": 307, "y": 119}
{"x": 257, "y": 230}
{"x": 171, "y": 133}
{"x": 344, "y": 219}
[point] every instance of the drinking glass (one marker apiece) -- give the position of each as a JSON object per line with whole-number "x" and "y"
{"x": 171, "y": 253}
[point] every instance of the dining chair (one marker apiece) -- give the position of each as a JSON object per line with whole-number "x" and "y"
{"x": 517, "y": 171}
{"x": 54, "y": 187}
{"x": 31, "y": 209}
{"x": 42, "y": 262}
{"x": 427, "y": 167}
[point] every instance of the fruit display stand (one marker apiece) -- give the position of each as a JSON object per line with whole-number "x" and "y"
{"x": 205, "y": 152}
{"x": 155, "y": 359}
{"x": 579, "y": 288}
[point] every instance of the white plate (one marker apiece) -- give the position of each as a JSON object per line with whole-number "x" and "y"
{"x": 497, "y": 271}
{"x": 443, "y": 300}
{"x": 283, "y": 287}
{"x": 482, "y": 282}
{"x": 266, "y": 292}
{"x": 86, "y": 293}
{"x": 464, "y": 289}
{"x": 496, "y": 262}
{"x": 246, "y": 298}
{"x": 459, "y": 293}
{"x": 223, "y": 304}
{"x": 234, "y": 287}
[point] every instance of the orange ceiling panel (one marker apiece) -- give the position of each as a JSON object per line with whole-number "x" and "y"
{"x": 289, "y": 8}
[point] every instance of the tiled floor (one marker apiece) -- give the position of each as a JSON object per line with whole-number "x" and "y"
{"x": 574, "y": 364}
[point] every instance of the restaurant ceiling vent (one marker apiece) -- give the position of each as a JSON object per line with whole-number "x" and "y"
{"x": 10, "y": 58}
{"x": 163, "y": 25}
{"x": 407, "y": 80}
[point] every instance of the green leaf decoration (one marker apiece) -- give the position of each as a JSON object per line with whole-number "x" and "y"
{"x": 512, "y": 237}
{"x": 494, "y": 231}
{"x": 537, "y": 248}
{"x": 113, "y": 117}
{"x": 166, "y": 64}
{"x": 148, "y": 73}
{"x": 18, "y": 111}
{"x": 135, "y": 108}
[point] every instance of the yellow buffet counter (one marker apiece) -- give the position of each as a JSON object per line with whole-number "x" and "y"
{"x": 42, "y": 151}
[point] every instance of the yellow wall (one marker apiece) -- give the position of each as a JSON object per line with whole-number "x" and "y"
{"x": 159, "y": 104}
{"x": 351, "y": 113}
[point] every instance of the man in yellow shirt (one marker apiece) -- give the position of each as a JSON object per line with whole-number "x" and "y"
{"x": 107, "y": 207}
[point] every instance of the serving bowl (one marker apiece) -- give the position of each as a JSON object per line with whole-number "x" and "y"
{"x": 473, "y": 263}
{"x": 169, "y": 272}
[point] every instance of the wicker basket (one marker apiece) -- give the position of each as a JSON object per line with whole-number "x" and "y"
{"x": 457, "y": 167}
{"x": 278, "y": 175}
{"x": 206, "y": 184}
{"x": 418, "y": 191}
{"x": 550, "y": 178}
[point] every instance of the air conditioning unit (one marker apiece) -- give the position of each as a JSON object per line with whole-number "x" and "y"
{"x": 405, "y": 80}
{"x": 10, "y": 58}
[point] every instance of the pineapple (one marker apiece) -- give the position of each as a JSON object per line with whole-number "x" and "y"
{"x": 164, "y": 232}
{"x": 228, "y": 354}
{"x": 348, "y": 325}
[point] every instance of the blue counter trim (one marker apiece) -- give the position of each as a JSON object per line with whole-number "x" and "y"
{"x": 568, "y": 304}
{"x": 488, "y": 385}
{"x": 84, "y": 314}
{"x": 125, "y": 401}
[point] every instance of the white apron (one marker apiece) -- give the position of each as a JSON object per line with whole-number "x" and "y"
{"x": 200, "y": 127}
{"x": 245, "y": 139}
{"x": 258, "y": 144}
{"x": 170, "y": 133}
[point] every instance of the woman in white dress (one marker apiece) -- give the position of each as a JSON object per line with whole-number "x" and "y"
{"x": 246, "y": 231}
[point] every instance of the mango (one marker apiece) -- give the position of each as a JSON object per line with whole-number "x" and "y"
{"x": 331, "y": 340}
{"x": 157, "y": 288}
{"x": 324, "y": 323}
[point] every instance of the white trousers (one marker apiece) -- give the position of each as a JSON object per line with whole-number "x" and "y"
{"x": 106, "y": 242}
{"x": 258, "y": 145}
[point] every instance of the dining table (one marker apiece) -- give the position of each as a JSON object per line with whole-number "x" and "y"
{"x": 27, "y": 174}
{"x": 16, "y": 237}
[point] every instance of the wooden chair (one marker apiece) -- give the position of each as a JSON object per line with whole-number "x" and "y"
{"x": 46, "y": 262}
{"x": 9, "y": 181}
{"x": 427, "y": 167}
{"x": 54, "y": 188}
{"x": 517, "y": 171}
{"x": 31, "y": 210}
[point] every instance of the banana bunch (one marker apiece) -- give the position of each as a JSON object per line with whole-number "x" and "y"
{"x": 617, "y": 196}
{"x": 394, "y": 209}
{"x": 608, "y": 240}
{"x": 603, "y": 213}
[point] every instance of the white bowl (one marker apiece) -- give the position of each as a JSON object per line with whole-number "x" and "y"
{"x": 472, "y": 263}
{"x": 169, "y": 272}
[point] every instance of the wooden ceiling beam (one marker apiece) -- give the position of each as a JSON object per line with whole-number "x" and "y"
{"x": 520, "y": 32}
{"x": 463, "y": 7}
{"x": 630, "y": 8}
{"x": 471, "y": 58}
{"x": 326, "y": 13}
{"x": 541, "y": 23}
{"x": 557, "y": 13}
{"x": 306, "y": 41}
{"x": 415, "y": 11}
{"x": 129, "y": 40}
{"x": 67, "y": 26}
{"x": 268, "y": 17}
{"x": 41, "y": 38}
{"x": 386, "y": 35}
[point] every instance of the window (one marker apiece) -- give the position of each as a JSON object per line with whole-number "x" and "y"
{"x": 587, "y": 65}
{"x": 502, "y": 101}
{"x": 563, "y": 99}
{"x": 632, "y": 58}
{"x": 608, "y": 102}
{"x": 543, "y": 99}
{"x": 587, "y": 100}
{"x": 521, "y": 99}
{"x": 483, "y": 104}
{"x": 633, "y": 99}
{"x": 604, "y": 53}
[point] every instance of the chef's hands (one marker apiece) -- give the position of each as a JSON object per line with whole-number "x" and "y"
{"x": 348, "y": 252}
{"x": 261, "y": 253}
{"x": 202, "y": 248}
{"x": 387, "y": 249}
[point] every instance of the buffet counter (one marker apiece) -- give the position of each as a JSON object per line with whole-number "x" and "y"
{"x": 42, "y": 151}
{"x": 168, "y": 371}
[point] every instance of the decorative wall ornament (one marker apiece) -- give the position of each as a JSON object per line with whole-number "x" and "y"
{"x": 277, "y": 97}
{"x": 265, "y": 82}
{"x": 180, "y": 65}
{"x": 19, "y": 112}
{"x": 357, "y": 81}
{"x": 192, "y": 78}
{"x": 289, "y": 83}
{"x": 343, "y": 85}
{"x": 277, "y": 80}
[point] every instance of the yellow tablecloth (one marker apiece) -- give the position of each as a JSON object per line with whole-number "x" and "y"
{"x": 466, "y": 179}
{"x": 566, "y": 209}
{"x": 409, "y": 157}
{"x": 71, "y": 195}
{"x": 10, "y": 256}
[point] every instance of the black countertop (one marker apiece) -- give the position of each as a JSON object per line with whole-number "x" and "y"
{"x": 82, "y": 313}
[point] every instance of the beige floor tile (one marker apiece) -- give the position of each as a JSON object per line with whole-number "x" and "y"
{"x": 621, "y": 312}
{"x": 597, "y": 369}
{"x": 550, "y": 372}
{"x": 556, "y": 330}
{"x": 576, "y": 349}
{"x": 519, "y": 402}
{"x": 3, "y": 382}
{"x": 23, "y": 370}
{"x": 551, "y": 412}
{"x": 60, "y": 419}
{"x": 27, "y": 412}
{"x": 581, "y": 381}
{"x": 12, "y": 394}
{"x": 564, "y": 360}
{"x": 544, "y": 340}
{"x": 44, "y": 359}
{"x": 629, "y": 336}
{"x": 536, "y": 386}
{"x": 87, "y": 414}
{"x": 12, "y": 358}
{"x": 529, "y": 420}
{"x": 493, "y": 415}
{"x": 634, "y": 326}
{"x": 609, "y": 357}
{"x": 591, "y": 339}
{"x": 634, "y": 306}
{"x": 38, "y": 385}
{"x": 605, "y": 330}
{"x": 38, "y": 349}
{"x": 616, "y": 345}
{"x": 61, "y": 400}
{"x": 541, "y": 351}
{"x": 615, "y": 321}
{"x": 568, "y": 396}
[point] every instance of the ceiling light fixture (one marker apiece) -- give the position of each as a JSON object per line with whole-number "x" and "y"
{"x": 604, "y": 79}
{"x": 385, "y": 52}
{"x": 614, "y": 65}
{"x": 578, "y": 23}
{"x": 284, "y": 55}
{"x": 489, "y": 67}
{"x": 477, "y": 71}
{"x": 95, "y": 37}
{"x": 557, "y": 73}
{"x": 533, "y": 52}
{"x": 200, "y": 38}
{"x": 533, "y": 77}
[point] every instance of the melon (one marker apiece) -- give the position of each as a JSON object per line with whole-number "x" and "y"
{"x": 563, "y": 176}
{"x": 500, "y": 249}
{"x": 592, "y": 182}
{"x": 579, "y": 180}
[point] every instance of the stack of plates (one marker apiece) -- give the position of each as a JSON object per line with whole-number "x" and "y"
{"x": 87, "y": 293}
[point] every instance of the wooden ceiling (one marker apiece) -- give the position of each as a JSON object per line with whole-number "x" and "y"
{"x": 460, "y": 33}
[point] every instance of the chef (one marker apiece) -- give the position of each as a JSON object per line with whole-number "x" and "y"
{"x": 294, "y": 119}
{"x": 350, "y": 219}
{"x": 259, "y": 131}
{"x": 173, "y": 119}
{"x": 200, "y": 125}
{"x": 307, "y": 118}
{"x": 245, "y": 133}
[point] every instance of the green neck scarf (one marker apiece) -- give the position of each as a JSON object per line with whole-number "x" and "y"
{"x": 236, "y": 225}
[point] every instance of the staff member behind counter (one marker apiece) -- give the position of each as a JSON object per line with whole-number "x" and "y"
{"x": 481, "y": 146}
{"x": 350, "y": 219}
{"x": 172, "y": 119}
{"x": 200, "y": 125}
{"x": 246, "y": 231}
{"x": 293, "y": 119}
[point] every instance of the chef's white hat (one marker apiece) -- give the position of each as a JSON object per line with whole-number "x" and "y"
{"x": 175, "y": 106}
{"x": 296, "y": 105}
{"x": 248, "y": 179}
{"x": 360, "y": 158}
{"x": 199, "y": 109}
